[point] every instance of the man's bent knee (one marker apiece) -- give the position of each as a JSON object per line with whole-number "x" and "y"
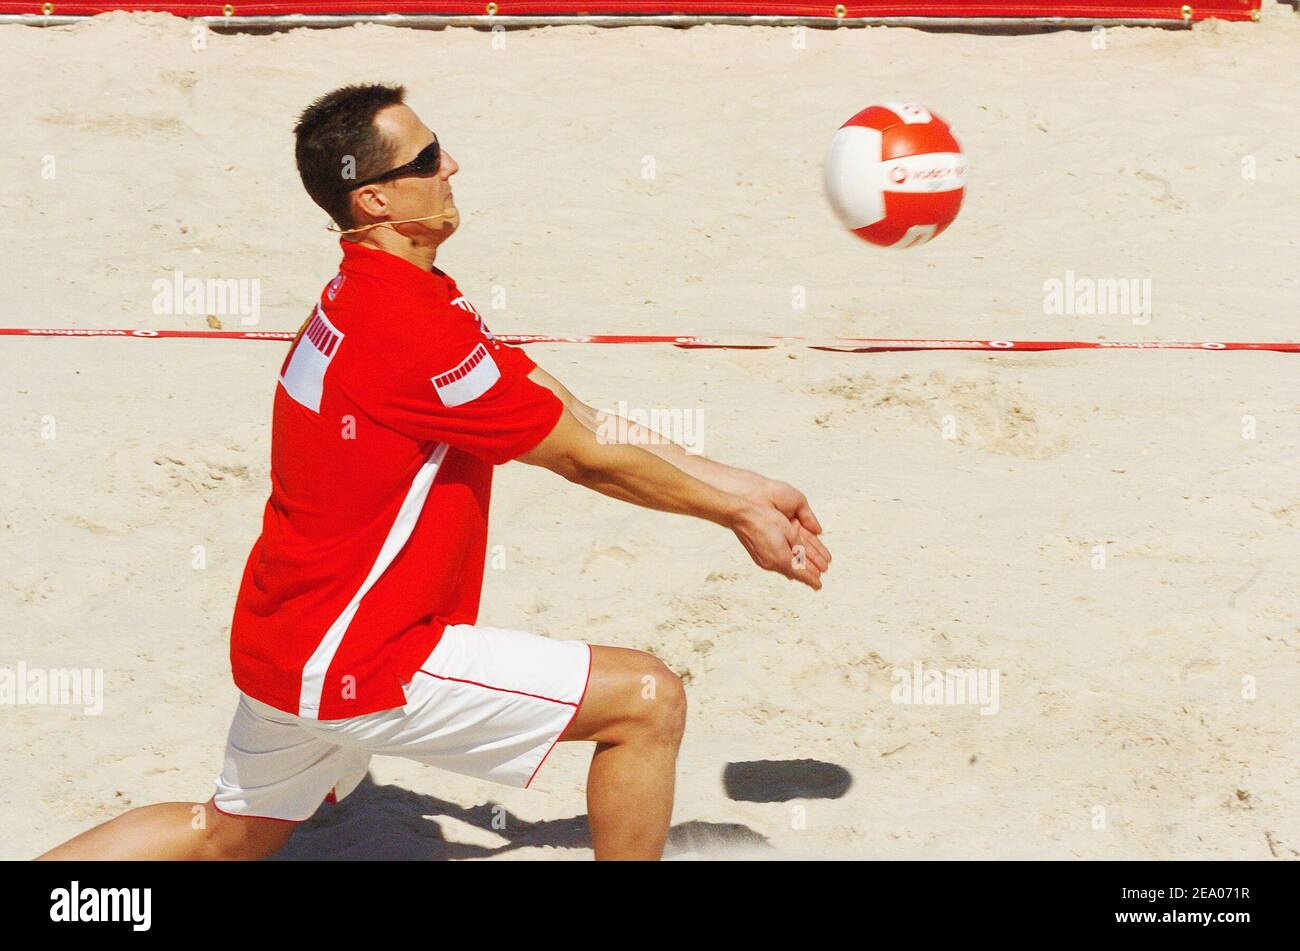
{"x": 632, "y": 695}
{"x": 664, "y": 708}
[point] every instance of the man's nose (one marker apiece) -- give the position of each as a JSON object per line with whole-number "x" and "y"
{"x": 449, "y": 164}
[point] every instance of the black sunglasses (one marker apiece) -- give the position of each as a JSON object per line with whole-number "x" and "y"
{"x": 428, "y": 160}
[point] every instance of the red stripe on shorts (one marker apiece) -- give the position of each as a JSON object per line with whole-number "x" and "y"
{"x": 522, "y": 693}
{"x": 576, "y": 708}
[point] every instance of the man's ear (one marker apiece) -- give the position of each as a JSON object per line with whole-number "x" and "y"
{"x": 369, "y": 200}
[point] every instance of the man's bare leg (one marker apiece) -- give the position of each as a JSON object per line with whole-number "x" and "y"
{"x": 176, "y": 830}
{"x": 635, "y": 711}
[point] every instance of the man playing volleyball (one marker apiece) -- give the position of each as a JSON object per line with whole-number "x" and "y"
{"x": 355, "y": 632}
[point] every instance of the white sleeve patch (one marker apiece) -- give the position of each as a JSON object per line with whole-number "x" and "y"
{"x": 304, "y": 377}
{"x": 467, "y": 380}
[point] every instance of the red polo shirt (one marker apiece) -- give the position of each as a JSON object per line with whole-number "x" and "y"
{"x": 394, "y": 404}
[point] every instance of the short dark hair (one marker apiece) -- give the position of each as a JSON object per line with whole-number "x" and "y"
{"x": 339, "y": 126}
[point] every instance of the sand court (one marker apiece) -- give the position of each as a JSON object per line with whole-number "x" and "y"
{"x": 1112, "y": 533}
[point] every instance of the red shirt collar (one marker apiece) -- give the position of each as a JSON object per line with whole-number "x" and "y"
{"x": 360, "y": 259}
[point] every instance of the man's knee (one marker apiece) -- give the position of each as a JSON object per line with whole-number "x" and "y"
{"x": 632, "y": 696}
{"x": 662, "y": 707}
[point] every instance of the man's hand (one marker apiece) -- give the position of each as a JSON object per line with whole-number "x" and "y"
{"x": 793, "y": 504}
{"x": 782, "y": 544}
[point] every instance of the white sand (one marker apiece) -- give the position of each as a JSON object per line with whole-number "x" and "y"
{"x": 1121, "y": 689}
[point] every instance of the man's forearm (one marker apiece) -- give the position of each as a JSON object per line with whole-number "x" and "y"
{"x": 774, "y": 523}
{"x": 723, "y": 477}
{"x": 624, "y": 431}
{"x": 631, "y": 474}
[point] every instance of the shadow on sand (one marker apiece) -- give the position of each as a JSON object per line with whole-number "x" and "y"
{"x": 392, "y": 823}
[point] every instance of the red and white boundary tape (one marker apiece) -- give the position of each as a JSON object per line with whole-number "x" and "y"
{"x": 843, "y": 344}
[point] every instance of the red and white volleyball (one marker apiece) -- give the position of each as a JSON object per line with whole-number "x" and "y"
{"x": 895, "y": 174}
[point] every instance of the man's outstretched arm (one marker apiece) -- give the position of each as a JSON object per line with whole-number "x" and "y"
{"x": 728, "y": 478}
{"x": 736, "y": 481}
{"x": 621, "y": 471}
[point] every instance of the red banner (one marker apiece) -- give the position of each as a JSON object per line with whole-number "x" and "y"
{"x": 956, "y": 9}
{"x": 842, "y": 344}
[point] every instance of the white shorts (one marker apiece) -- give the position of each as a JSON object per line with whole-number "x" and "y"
{"x": 487, "y": 702}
